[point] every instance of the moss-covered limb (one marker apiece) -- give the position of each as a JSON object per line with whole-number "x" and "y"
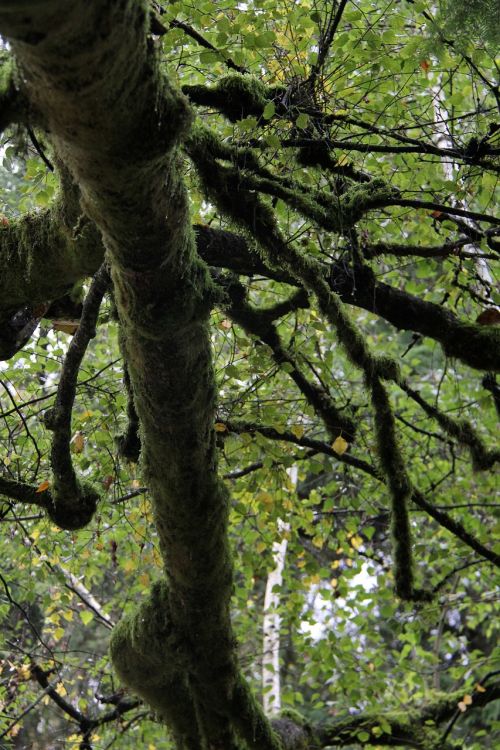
{"x": 236, "y": 96}
{"x": 476, "y": 345}
{"x": 461, "y": 430}
{"x": 25, "y": 493}
{"x": 233, "y": 252}
{"x": 43, "y": 254}
{"x": 400, "y": 487}
{"x": 334, "y": 213}
{"x": 92, "y": 69}
{"x": 260, "y": 324}
{"x": 319, "y": 446}
{"x": 416, "y": 726}
{"x": 294, "y": 733}
{"x": 73, "y": 503}
{"x": 13, "y": 105}
{"x": 455, "y": 527}
{"x": 148, "y": 656}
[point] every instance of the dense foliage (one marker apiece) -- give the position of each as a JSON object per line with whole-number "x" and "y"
{"x": 271, "y": 413}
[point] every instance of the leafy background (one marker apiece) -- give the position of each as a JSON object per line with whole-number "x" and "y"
{"x": 347, "y": 643}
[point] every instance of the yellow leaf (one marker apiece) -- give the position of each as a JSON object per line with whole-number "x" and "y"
{"x": 265, "y": 498}
{"x": 355, "y": 541}
{"x": 68, "y": 615}
{"x": 58, "y": 633}
{"x": 334, "y": 583}
{"x": 43, "y": 486}
{"x": 61, "y": 689}
{"x": 340, "y": 445}
{"x": 480, "y": 688}
{"x": 467, "y": 699}
{"x": 342, "y": 160}
{"x": 144, "y": 579}
{"x": 298, "y": 430}
{"x": 129, "y": 565}
{"x": 86, "y": 414}
{"x": 24, "y": 672}
{"x": 220, "y": 427}
{"x": 77, "y": 442}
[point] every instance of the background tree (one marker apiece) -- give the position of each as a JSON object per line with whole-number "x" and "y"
{"x": 270, "y": 415}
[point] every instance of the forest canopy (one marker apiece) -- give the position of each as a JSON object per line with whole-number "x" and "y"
{"x": 249, "y": 348}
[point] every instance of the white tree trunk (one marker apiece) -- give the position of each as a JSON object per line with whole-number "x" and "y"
{"x": 271, "y": 685}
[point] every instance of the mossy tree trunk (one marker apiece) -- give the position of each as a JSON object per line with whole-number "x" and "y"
{"x": 114, "y": 121}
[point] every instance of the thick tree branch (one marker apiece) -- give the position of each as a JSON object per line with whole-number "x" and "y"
{"x": 415, "y": 727}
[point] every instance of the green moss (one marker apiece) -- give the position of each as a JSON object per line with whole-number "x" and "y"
{"x": 476, "y": 345}
{"x": 70, "y": 510}
{"x": 393, "y": 464}
{"x": 40, "y": 258}
{"x": 140, "y": 641}
{"x": 6, "y": 78}
{"x": 243, "y": 95}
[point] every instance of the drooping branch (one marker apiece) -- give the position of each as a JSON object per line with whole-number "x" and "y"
{"x": 73, "y": 503}
{"x": 260, "y": 323}
{"x": 418, "y": 498}
{"x": 461, "y": 430}
{"x": 255, "y": 217}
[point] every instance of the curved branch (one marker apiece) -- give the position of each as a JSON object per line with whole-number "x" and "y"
{"x": 260, "y": 323}
{"x": 74, "y": 504}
